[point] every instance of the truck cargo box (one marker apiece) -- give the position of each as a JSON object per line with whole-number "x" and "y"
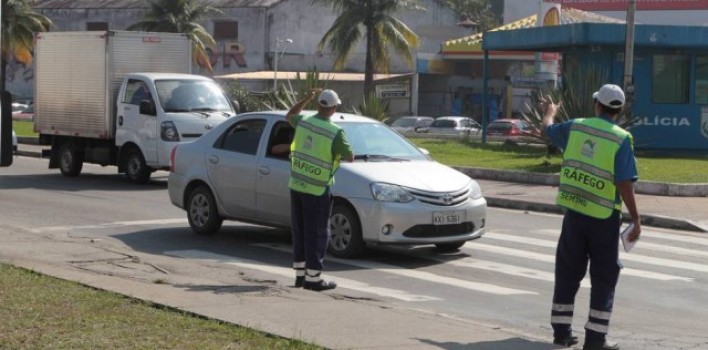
{"x": 78, "y": 75}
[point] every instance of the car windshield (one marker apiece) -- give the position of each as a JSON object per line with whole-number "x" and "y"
{"x": 191, "y": 96}
{"x": 379, "y": 142}
{"x": 445, "y": 123}
{"x": 404, "y": 122}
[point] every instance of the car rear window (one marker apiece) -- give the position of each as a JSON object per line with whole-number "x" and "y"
{"x": 444, "y": 123}
{"x": 499, "y": 126}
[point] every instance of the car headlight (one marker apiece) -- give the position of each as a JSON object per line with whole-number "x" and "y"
{"x": 169, "y": 132}
{"x": 390, "y": 193}
{"x": 475, "y": 190}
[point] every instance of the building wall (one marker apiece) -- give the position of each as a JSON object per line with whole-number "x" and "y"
{"x": 258, "y": 29}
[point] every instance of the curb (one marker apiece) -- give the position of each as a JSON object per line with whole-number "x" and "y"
{"x": 647, "y": 219}
{"x": 641, "y": 187}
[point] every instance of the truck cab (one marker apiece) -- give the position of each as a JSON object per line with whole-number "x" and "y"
{"x": 155, "y": 111}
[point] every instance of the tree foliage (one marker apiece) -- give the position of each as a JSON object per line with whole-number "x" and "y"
{"x": 181, "y": 16}
{"x": 479, "y": 11}
{"x": 19, "y": 24}
{"x": 374, "y": 22}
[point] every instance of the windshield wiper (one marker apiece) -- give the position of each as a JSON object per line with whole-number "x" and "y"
{"x": 379, "y": 157}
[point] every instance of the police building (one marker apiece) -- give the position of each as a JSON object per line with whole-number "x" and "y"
{"x": 670, "y": 67}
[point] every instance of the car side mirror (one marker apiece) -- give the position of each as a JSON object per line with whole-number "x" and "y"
{"x": 147, "y": 107}
{"x": 425, "y": 151}
{"x": 236, "y": 105}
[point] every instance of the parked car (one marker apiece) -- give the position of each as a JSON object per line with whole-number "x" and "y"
{"x": 410, "y": 124}
{"x": 18, "y": 107}
{"x": 454, "y": 125}
{"x": 26, "y": 114}
{"x": 512, "y": 130}
{"x": 393, "y": 193}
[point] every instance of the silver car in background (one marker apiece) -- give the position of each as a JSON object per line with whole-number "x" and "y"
{"x": 411, "y": 124}
{"x": 454, "y": 125}
{"x": 393, "y": 193}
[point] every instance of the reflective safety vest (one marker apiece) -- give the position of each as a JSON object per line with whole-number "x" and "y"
{"x": 587, "y": 178}
{"x": 312, "y": 163}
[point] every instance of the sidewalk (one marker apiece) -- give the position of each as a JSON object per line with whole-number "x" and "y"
{"x": 674, "y": 206}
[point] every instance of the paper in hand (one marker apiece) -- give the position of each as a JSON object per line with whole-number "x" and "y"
{"x": 624, "y": 236}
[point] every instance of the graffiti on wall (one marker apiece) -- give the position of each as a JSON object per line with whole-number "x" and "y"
{"x": 227, "y": 52}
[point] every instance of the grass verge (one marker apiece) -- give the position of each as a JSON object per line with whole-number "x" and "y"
{"x": 42, "y": 312}
{"x": 24, "y": 128}
{"x": 687, "y": 168}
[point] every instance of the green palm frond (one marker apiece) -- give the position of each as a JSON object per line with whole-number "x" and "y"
{"x": 181, "y": 16}
{"x": 375, "y": 22}
{"x": 575, "y": 97}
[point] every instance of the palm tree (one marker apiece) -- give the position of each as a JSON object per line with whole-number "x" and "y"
{"x": 19, "y": 24}
{"x": 181, "y": 16}
{"x": 373, "y": 21}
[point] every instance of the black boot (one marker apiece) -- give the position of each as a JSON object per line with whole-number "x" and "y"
{"x": 608, "y": 345}
{"x": 320, "y": 285}
{"x": 299, "y": 281}
{"x": 568, "y": 341}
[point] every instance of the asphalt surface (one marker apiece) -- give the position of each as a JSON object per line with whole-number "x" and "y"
{"x": 324, "y": 318}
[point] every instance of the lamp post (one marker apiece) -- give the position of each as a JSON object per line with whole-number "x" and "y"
{"x": 278, "y": 44}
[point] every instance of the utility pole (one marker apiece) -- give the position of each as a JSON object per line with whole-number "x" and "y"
{"x": 278, "y": 43}
{"x": 628, "y": 83}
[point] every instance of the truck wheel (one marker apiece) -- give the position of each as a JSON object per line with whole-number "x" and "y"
{"x": 346, "y": 241}
{"x": 449, "y": 247}
{"x": 202, "y": 213}
{"x": 70, "y": 161}
{"x": 135, "y": 169}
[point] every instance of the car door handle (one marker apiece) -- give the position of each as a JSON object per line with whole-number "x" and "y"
{"x": 264, "y": 170}
{"x": 213, "y": 159}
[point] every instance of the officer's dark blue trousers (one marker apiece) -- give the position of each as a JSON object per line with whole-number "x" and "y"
{"x": 310, "y": 231}
{"x": 582, "y": 238}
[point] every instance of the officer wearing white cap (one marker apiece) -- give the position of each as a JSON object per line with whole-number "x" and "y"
{"x": 598, "y": 172}
{"x": 316, "y": 151}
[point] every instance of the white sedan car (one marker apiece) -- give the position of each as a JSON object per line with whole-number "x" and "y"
{"x": 393, "y": 193}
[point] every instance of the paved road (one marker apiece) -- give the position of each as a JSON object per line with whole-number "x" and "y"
{"x": 493, "y": 294}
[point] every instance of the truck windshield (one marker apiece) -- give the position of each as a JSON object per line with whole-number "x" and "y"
{"x": 191, "y": 96}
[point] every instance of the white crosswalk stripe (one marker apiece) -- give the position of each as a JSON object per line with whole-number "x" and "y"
{"x": 422, "y": 275}
{"x": 497, "y": 256}
{"x": 551, "y": 259}
{"x": 288, "y": 273}
{"x": 628, "y": 257}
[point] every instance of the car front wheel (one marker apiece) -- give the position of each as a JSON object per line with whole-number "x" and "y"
{"x": 135, "y": 168}
{"x": 347, "y": 241}
{"x": 203, "y": 216}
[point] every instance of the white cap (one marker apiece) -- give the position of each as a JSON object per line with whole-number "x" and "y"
{"x": 610, "y": 95}
{"x": 328, "y": 98}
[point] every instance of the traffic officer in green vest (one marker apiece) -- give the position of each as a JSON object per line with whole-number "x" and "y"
{"x": 316, "y": 151}
{"x": 598, "y": 172}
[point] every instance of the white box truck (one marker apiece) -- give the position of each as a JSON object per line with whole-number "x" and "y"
{"x": 120, "y": 98}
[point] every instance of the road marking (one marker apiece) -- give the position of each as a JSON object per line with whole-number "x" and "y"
{"x": 288, "y": 273}
{"x": 112, "y": 225}
{"x": 684, "y": 237}
{"x": 551, "y": 259}
{"x": 505, "y": 269}
{"x": 422, "y": 275}
{"x": 683, "y": 265}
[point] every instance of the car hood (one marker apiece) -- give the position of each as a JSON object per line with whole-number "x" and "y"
{"x": 422, "y": 175}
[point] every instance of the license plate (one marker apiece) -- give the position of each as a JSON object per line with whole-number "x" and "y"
{"x": 447, "y": 217}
